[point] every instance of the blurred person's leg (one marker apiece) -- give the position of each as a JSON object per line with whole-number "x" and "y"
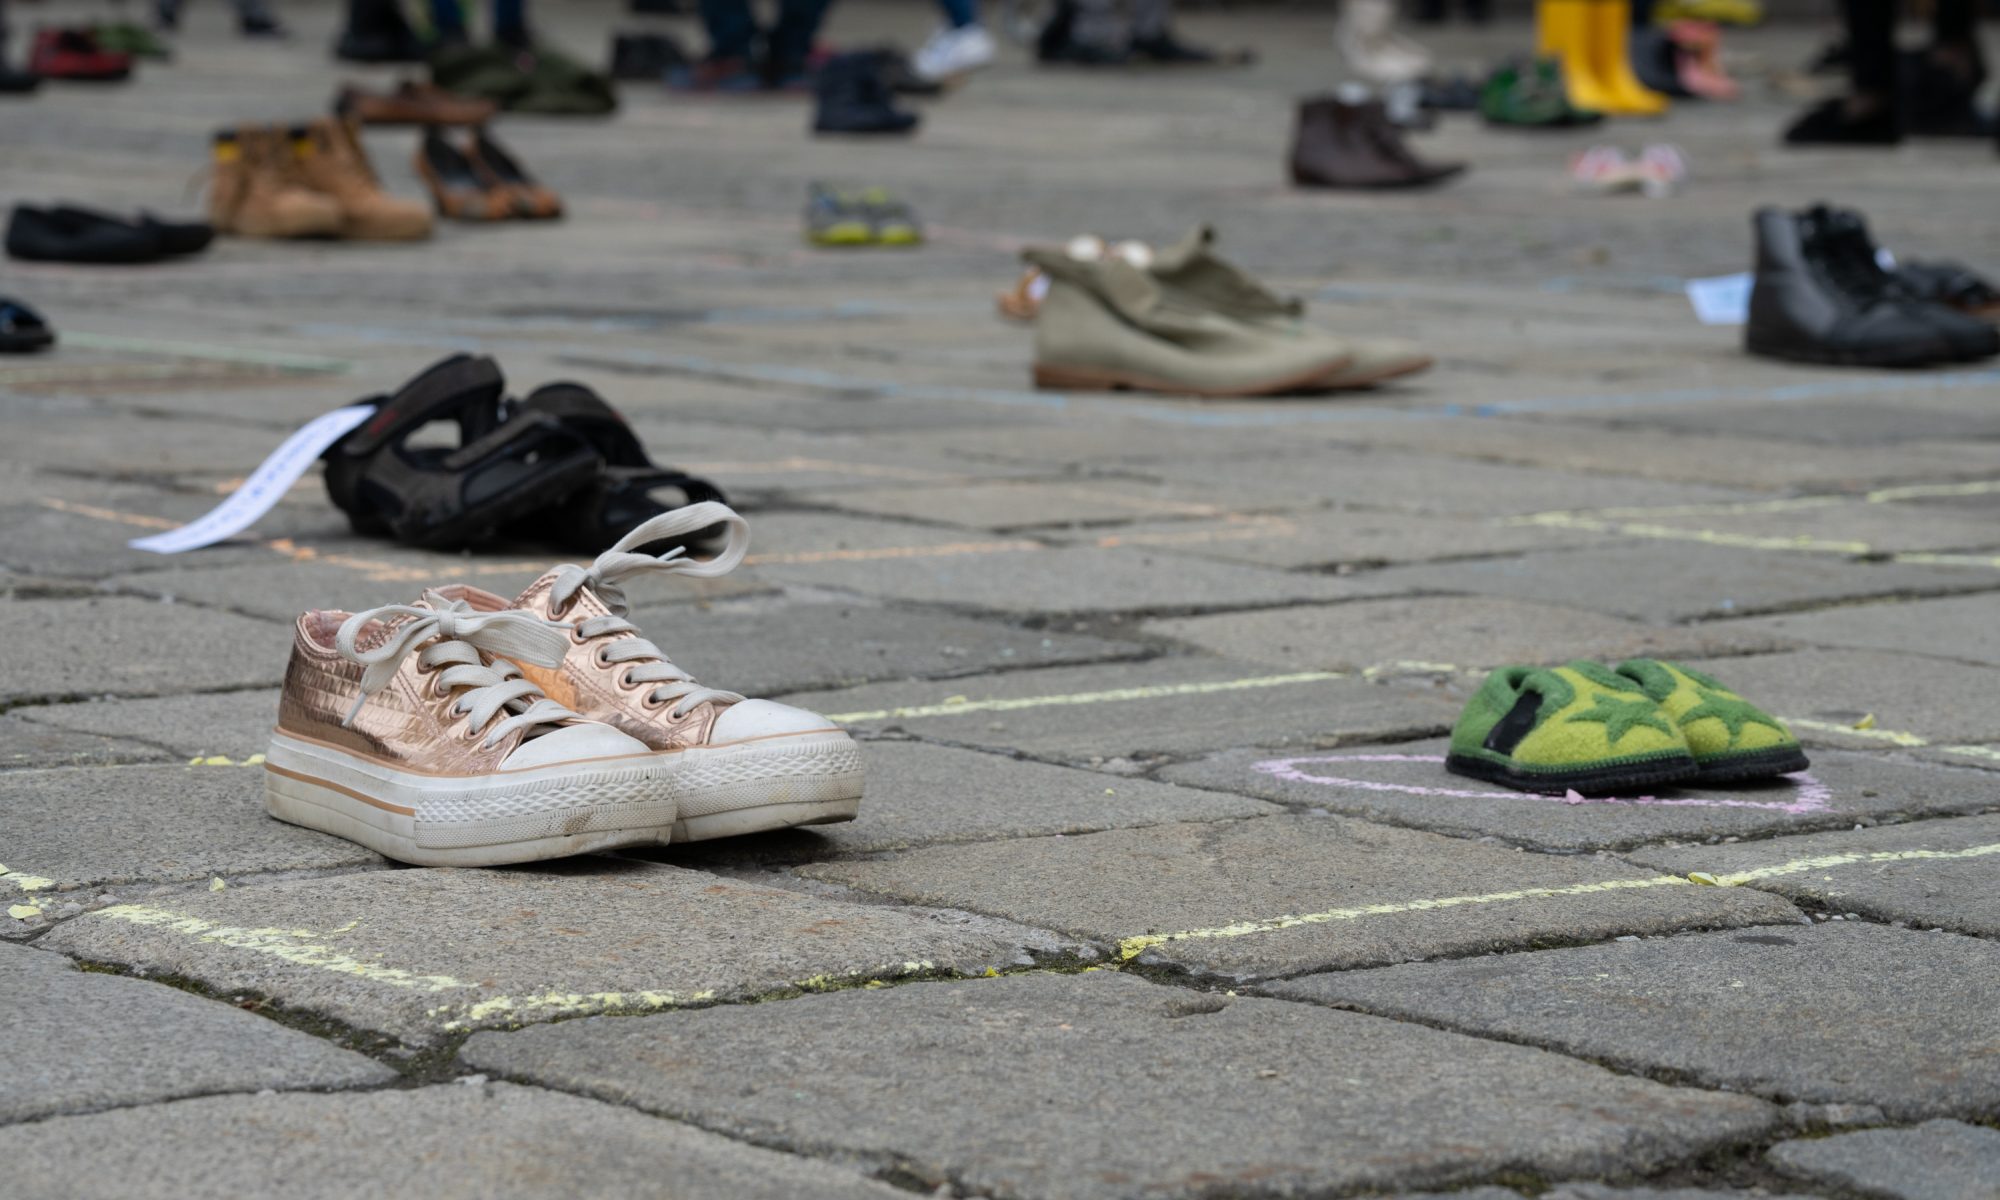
{"x": 732, "y": 30}
{"x": 510, "y": 22}
{"x": 791, "y": 40}
{"x": 960, "y": 13}
{"x": 448, "y": 22}
{"x": 1867, "y": 115}
{"x": 1100, "y": 25}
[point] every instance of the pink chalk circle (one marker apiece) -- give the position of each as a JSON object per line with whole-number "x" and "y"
{"x": 1811, "y": 795}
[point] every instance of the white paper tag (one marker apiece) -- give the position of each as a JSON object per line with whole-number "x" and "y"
{"x": 270, "y": 481}
{"x": 1721, "y": 299}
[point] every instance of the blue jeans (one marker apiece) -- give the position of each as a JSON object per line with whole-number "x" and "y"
{"x": 510, "y": 19}
{"x": 960, "y": 13}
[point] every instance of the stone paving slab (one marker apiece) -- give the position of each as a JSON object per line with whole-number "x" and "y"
{"x": 1463, "y": 632}
{"x": 1696, "y": 456}
{"x": 1833, "y": 689}
{"x": 77, "y": 545}
{"x": 121, "y": 645}
{"x": 1331, "y": 539}
{"x": 1837, "y": 1013}
{"x": 1930, "y": 874}
{"x": 1599, "y": 1191}
{"x": 1391, "y": 479}
{"x": 1937, "y": 1160}
{"x": 26, "y": 744}
{"x": 762, "y": 647}
{"x": 457, "y": 1141}
{"x": 81, "y": 1041}
{"x": 1285, "y": 895}
{"x": 1665, "y": 581}
{"x": 156, "y": 824}
{"x": 1834, "y": 421}
{"x": 231, "y": 724}
{"x": 1961, "y": 627}
{"x": 1120, "y": 710}
{"x": 1406, "y": 784}
{"x": 1101, "y": 1085}
{"x": 417, "y": 954}
{"x": 1075, "y": 579}
{"x": 920, "y": 794}
{"x": 1021, "y": 504}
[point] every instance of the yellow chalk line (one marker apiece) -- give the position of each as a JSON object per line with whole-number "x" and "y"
{"x": 29, "y": 884}
{"x": 960, "y": 706}
{"x": 1989, "y": 753}
{"x": 1894, "y": 737}
{"x": 1823, "y": 862}
{"x": 1133, "y": 946}
{"x": 1632, "y": 522}
{"x": 292, "y": 945}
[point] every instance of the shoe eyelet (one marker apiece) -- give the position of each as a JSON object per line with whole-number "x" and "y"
{"x": 600, "y": 657}
{"x": 576, "y": 637}
{"x": 558, "y": 611}
{"x": 650, "y": 704}
{"x": 625, "y": 680}
{"x": 468, "y": 734}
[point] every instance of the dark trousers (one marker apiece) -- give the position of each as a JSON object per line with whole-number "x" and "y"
{"x": 732, "y": 32}
{"x": 1871, "y": 38}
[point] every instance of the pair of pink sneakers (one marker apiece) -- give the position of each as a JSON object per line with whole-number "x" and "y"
{"x": 471, "y": 730}
{"x": 1659, "y": 170}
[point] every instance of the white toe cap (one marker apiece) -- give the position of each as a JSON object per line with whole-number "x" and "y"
{"x": 764, "y": 718}
{"x": 585, "y": 739}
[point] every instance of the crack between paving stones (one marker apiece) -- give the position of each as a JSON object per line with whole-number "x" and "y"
{"x": 54, "y": 698}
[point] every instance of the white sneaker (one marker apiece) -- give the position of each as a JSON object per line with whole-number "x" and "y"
{"x": 953, "y": 52}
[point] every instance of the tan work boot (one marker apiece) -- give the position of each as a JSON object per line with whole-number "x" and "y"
{"x": 330, "y": 160}
{"x": 1107, "y": 324}
{"x": 254, "y": 194}
{"x": 1191, "y": 271}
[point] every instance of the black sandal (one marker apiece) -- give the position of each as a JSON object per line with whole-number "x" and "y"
{"x": 507, "y": 465}
{"x": 22, "y": 329}
{"x": 620, "y": 499}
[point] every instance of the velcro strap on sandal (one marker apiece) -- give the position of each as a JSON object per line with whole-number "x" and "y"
{"x": 441, "y": 391}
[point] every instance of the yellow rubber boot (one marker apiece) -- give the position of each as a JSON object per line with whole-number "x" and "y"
{"x": 1611, "y": 54}
{"x": 1563, "y": 31}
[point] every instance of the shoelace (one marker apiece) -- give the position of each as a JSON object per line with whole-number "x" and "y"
{"x": 462, "y": 633}
{"x": 606, "y": 576}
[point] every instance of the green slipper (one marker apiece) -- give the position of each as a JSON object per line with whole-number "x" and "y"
{"x": 1557, "y": 729}
{"x": 1730, "y": 737}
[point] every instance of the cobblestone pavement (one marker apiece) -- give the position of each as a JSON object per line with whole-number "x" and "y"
{"x": 1159, "y": 888}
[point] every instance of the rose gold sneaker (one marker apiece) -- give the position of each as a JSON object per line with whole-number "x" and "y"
{"x": 743, "y": 766}
{"x": 410, "y": 730}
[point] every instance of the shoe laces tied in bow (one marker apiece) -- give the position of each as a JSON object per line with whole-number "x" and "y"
{"x": 606, "y": 578}
{"x": 461, "y": 640}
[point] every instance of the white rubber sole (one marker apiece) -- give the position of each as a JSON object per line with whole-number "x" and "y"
{"x": 772, "y": 783}
{"x": 472, "y": 821}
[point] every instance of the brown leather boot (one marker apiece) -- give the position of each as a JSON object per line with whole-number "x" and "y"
{"x": 254, "y": 193}
{"x": 330, "y": 160}
{"x": 1341, "y": 145}
{"x": 412, "y": 103}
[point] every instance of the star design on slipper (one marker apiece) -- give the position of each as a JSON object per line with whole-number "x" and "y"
{"x": 1621, "y": 717}
{"x": 1733, "y": 711}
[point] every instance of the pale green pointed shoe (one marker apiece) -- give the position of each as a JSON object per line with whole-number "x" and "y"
{"x": 1557, "y": 729}
{"x": 1191, "y": 270}
{"x": 1730, "y": 737}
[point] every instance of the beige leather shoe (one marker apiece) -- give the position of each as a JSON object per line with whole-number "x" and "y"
{"x": 740, "y": 766}
{"x": 409, "y": 730}
{"x": 331, "y": 161}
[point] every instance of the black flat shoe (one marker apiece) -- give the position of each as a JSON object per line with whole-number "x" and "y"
{"x": 1829, "y": 124}
{"x": 77, "y": 235}
{"x": 22, "y": 329}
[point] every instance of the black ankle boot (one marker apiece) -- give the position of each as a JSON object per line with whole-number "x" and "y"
{"x": 1803, "y": 309}
{"x": 854, "y": 98}
{"x": 1830, "y": 124}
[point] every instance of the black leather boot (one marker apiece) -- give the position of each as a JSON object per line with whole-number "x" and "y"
{"x": 1800, "y": 310}
{"x": 1842, "y": 234}
{"x": 855, "y": 98}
